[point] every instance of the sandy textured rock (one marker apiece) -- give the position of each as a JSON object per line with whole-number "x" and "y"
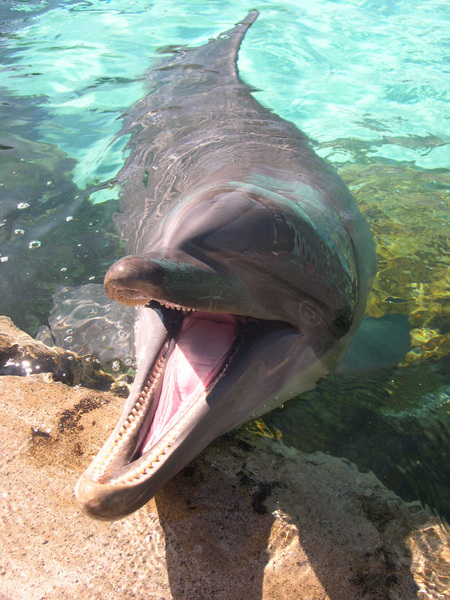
{"x": 247, "y": 520}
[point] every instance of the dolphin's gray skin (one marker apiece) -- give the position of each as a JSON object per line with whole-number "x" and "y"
{"x": 226, "y": 210}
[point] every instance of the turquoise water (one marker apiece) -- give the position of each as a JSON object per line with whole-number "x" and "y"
{"x": 368, "y": 80}
{"x": 364, "y": 70}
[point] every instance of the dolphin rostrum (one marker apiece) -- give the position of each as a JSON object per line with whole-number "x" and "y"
{"x": 249, "y": 263}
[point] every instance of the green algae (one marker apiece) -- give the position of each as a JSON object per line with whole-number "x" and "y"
{"x": 408, "y": 211}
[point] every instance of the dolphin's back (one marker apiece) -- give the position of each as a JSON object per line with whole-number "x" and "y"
{"x": 197, "y": 112}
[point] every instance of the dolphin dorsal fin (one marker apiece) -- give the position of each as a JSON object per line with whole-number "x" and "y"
{"x": 223, "y": 50}
{"x": 219, "y": 54}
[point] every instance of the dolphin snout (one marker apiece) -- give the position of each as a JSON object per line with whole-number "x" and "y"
{"x": 134, "y": 280}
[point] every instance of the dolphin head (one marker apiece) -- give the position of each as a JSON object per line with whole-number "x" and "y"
{"x": 218, "y": 250}
{"x": 245, "y": 298}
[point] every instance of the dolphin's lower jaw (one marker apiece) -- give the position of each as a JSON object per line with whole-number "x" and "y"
{"x": 187, "y": 392}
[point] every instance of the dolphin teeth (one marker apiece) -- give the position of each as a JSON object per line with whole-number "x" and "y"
{"x": 129, "y": 426}
{"x": 156, "y": 456}
{"x": 173, "y": 306}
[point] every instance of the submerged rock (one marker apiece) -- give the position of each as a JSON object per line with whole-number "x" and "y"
{"x": 408, "y": 211}
{"x": 249, "y": 519}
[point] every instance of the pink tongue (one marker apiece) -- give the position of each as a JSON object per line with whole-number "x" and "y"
{"x": 202, "y": 347}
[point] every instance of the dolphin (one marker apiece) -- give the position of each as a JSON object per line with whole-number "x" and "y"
{"x": 248, "y": 261}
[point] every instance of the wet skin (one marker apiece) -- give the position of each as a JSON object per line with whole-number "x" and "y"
{"x": 249, "y": 264}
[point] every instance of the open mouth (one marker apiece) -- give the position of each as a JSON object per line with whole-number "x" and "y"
{"x": 200, "y": 373}
{"x": 195, "y": 355}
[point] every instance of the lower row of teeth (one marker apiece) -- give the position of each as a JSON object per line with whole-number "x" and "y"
{"x": 136, "y": 414}
{"x": 147, "y": 466}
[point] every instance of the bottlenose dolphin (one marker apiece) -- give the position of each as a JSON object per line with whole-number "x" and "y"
{"x": 248, "y": 259}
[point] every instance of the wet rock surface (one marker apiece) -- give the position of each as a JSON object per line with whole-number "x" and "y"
{"x": 249, "y": 519}
{"x": 20, "y": 355}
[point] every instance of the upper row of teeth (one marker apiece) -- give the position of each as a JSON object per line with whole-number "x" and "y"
{"x": 176, "y": 306}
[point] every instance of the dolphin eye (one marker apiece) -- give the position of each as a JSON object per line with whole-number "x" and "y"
{"x": 341, "y": 324}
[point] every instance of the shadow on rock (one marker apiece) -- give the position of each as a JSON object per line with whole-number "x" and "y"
{"x": 217, "y": 529}
{"x": 244, "y": 522}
